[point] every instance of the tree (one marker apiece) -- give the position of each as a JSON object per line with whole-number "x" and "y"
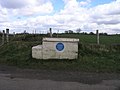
{"x": 66, "y": 31}
{"x": 78, "y": 30}
{"x": 91, "y": 33}
{"x": 70, "y": 31}
{"x": 25, "y": 32}
{"x": 103, "y": 33}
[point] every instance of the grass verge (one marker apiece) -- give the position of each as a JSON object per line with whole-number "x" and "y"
{"x": 92, "y": 58}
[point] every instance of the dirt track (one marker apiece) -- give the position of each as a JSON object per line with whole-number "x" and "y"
{"x": 91, "y": 79}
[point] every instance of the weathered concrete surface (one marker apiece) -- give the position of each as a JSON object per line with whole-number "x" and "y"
{"x": 70, "y": 51}
{"x": 48, "y": 50}
{"x": 12, "y": 78}
{"x": 37, "y": 52}
{"x": 60, "y": 39}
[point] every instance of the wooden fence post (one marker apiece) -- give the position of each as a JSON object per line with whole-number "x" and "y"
{"x": 3, "y": 37}
{"x": 98, "y": 39}
{"x": 7, "y": 35}
{"x": 50, "y": 32}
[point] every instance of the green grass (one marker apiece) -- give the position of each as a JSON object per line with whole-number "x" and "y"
{"x": 92, "y": 57}
{"x": 114, "y": 39}
{"x": 91, "y": 39}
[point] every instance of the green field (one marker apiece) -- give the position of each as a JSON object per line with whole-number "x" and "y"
{"x": 92, "y": 58}
{"x": 91, "y": 39}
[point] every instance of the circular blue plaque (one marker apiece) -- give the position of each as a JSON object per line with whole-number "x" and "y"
{"x": 60, "y": 46}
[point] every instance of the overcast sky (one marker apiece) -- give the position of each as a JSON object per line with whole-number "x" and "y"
{"x": 40, "y": 15}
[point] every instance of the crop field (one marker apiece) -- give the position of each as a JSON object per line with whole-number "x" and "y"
{"x": 91, "y": 58}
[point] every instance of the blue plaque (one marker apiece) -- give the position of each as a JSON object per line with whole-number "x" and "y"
{"x": 60, "y": 46}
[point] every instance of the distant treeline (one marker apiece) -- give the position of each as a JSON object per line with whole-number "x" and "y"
{"x": 78, "y": 31}
{"x": 84, "y": 33}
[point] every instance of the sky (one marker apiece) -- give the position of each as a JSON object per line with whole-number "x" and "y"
{"x": 60, "y": 15}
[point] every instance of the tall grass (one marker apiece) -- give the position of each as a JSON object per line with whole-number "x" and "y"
{"x": 92, "y": 57}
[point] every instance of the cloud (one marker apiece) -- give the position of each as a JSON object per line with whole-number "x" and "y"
{"x": 27, "y": 7}
{"x": 84, "y": 3}
{"x": 3, "y": 15}
{"x": 13, "y": 3}
{"x": 112, "y": 22}
{"x": 108, "y": 9}
{"x": 41, "y": 9}
{"x": 38, "y": 14}
{"x": 12, "y": 9}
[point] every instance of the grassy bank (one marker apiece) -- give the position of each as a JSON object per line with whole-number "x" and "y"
{"x": 92, "y": 58}
{"x": 96, "y": 60}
